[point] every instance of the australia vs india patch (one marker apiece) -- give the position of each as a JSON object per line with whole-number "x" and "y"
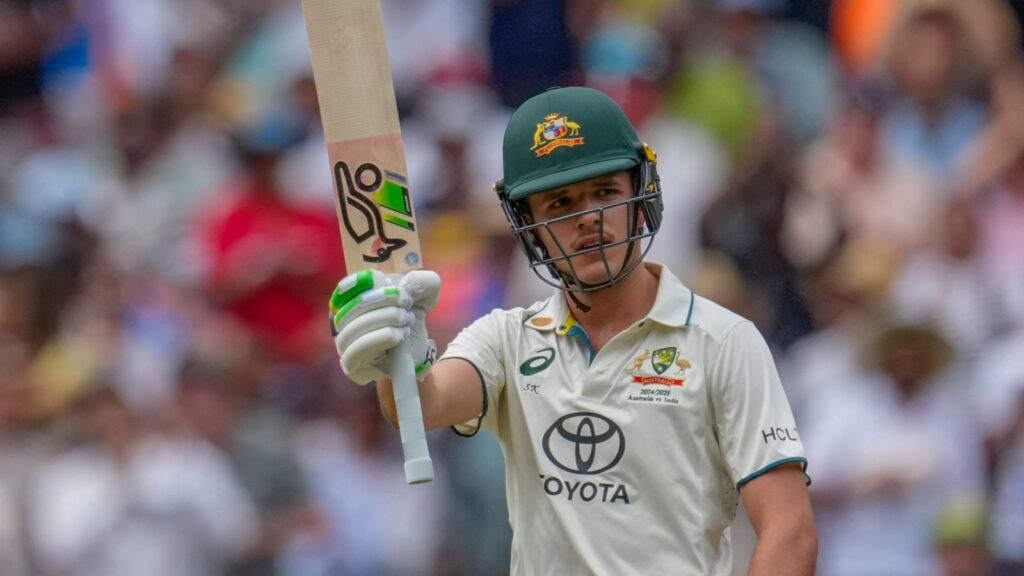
{"x": 658, "y": 376}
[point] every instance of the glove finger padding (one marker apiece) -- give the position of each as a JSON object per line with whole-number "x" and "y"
{"x": 389, "y": 317}
{"x": 365, "y": 360}
{"x": 351, "y": 286}
{"x": 423, "y": 286}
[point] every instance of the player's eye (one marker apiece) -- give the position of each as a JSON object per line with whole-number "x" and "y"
{"x": 560, "y": 202}
{"x": 609, "y": 194}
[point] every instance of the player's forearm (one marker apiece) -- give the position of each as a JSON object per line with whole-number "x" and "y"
{"x": 429, "y": 400}
{"x": 450, "y": 394}
{"x": 788, "y": 548}
{"x": 386, "y": 398}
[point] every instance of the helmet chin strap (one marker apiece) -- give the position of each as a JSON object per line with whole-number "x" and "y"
{"x": 583, "y": 307}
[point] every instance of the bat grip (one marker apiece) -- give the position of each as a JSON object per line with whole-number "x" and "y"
{"x": 418, "y": 467}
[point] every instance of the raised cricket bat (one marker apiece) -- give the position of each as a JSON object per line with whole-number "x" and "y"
{"x": 364, "y": 144}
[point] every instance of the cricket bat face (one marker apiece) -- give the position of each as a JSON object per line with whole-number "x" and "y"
{"x": 364, "y": 141}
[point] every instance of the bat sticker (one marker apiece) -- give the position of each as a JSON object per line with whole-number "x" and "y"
{"x": 366, "y": 191}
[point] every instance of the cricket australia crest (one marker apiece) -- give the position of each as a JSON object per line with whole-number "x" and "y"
{"x": 662, "y": 359}
{"x": 556, "y": 131}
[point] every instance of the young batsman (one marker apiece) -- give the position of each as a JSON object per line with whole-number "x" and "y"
{"x": 633, "y": 414}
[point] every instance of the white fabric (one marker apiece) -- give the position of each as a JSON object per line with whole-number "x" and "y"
{"x": 1000, "y": 382}
{"x": 1000, "y": 396}
{"x": 174, "y": 508}
{"x": 951, "y": 294}
{"x": 860, "y": 430}
{"x": 376, "y": 524}
{"x": 687, "y": 437}
{"x": 1008, "y": 508}
{"x": 819, "y": 361}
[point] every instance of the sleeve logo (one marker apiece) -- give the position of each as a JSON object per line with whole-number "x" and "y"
{"x": 780, "y": 434}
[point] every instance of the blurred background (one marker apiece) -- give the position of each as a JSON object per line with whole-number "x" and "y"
{"x": 849, "y": 174}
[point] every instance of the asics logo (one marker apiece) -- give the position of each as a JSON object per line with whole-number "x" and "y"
{"x": 537, "y": 363}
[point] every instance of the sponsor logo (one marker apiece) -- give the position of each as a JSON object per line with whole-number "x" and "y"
{"x": 370, "y": 197}
{"x": 556, "y": 131}
{"x": 576, "y": 491}
{"x": 584, "y": 443}
{"x": 780, "y": 434}
{"x": 537, "y": 363}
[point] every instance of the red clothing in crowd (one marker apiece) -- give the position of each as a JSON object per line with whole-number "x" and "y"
{"x": 270, "y": 264}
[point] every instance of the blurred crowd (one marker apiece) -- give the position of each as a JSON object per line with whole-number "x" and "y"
{"x": 849, "y": 174}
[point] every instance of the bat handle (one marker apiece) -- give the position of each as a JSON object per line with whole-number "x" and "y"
{"x": 418, "y": 467}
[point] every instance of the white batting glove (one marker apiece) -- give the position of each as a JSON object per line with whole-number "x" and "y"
{"x": 372, "y": 313}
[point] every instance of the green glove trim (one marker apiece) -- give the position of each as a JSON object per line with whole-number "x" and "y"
{"x": 361, "y": 282}
{"x": 391, "y": 291}
{"x": 421, "y": 368}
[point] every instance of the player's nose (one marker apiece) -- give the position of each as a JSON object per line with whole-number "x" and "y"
{"x": 589, "y": 212}
{"x": 589, "y": 218}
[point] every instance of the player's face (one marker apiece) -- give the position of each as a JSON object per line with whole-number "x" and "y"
{"x": 586, "y": 220}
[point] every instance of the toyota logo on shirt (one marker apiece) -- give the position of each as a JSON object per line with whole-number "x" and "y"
{"x": 584, "y": 443}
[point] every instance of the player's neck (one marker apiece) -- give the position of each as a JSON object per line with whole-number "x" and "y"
{"x": 617, "y": 307}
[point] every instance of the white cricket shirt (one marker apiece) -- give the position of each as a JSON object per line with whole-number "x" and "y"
{"x": 628, "y": 461}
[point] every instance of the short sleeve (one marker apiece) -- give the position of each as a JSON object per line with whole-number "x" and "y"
{"x": 753, "y": 419}
{"x": 481, "y": 345}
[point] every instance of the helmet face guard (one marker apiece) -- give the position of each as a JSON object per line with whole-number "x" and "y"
{"x": 567, "y": 135}
{"x": 646, "y": 202}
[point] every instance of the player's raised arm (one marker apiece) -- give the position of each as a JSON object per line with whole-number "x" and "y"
{"x": 373, "y": 313}
{"x": 451, "y": 394}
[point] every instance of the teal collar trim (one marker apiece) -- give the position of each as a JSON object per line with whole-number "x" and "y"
{"x": 689, "y": 313}
{"x": 578, "y": 332}
{"x": 672, "y": 298}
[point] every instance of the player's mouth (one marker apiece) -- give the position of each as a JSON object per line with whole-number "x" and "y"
{"x": 590, "y": 241}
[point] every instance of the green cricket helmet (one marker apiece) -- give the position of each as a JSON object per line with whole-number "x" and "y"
{"x": 567, "y": 135}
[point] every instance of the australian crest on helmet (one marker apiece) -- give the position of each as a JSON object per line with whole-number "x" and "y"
{"x": 555, "y": 131}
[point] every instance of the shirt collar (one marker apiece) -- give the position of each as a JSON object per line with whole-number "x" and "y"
{"x": 552, "y": 314}
{"x": 673, "y": 305}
